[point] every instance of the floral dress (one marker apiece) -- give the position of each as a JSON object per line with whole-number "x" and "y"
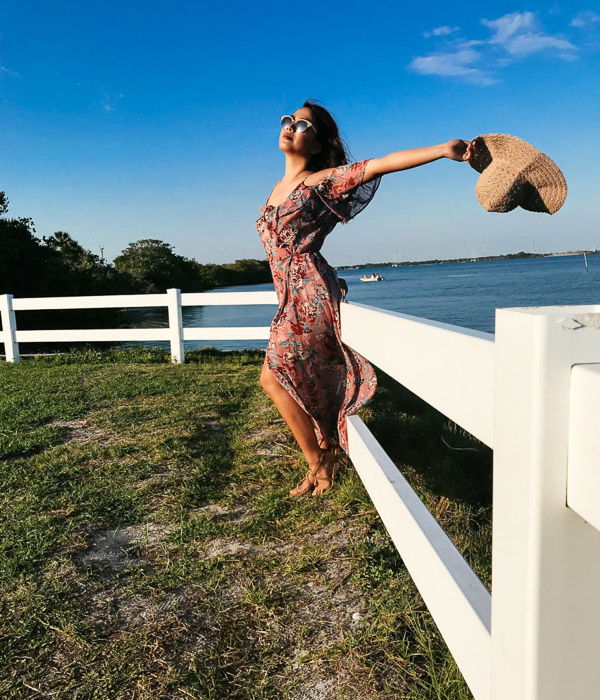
{"x": 305, "y": 350}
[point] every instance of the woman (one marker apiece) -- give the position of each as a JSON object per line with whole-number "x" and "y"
{"x": 314, "y": 379}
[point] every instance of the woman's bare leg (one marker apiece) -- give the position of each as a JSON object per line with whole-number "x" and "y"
{"x": 294, "y": 415}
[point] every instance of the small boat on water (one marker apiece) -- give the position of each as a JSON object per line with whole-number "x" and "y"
{"x": 375, "y": 277}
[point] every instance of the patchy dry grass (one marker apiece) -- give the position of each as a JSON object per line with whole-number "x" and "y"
{"x": 148, "y": 548}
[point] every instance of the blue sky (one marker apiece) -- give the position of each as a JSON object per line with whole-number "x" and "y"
{"x": 128, "y": 120}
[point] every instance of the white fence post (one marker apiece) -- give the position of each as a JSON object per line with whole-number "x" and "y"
{"x": 546, "y": 558}
{"x": 175, "y": 325}
{"x": 583, "y": 485}
{"x": 9, "y": 328}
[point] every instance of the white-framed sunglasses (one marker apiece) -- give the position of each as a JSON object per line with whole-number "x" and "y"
{"x": 299, "y": 125}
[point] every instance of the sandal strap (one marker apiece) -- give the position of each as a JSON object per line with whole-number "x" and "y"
{"x": 329, "y": 479}
{"x": 311, "y": 474}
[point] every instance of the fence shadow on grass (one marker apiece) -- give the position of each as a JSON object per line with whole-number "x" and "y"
{"x": 450, "y": 462}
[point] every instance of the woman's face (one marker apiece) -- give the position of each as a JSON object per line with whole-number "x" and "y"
{"x": 305, "y": 143}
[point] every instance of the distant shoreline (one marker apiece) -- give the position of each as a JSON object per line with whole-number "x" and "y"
{"x": 440, "y": 261}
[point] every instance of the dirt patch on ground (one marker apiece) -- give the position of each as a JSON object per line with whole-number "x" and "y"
{"x": 227, "y": 547}
{"x": 265, "y": 442}
{"x": 221, "y": 513}
{"x": 79, "y": 432}
{"x": 307, "y": 614}
{"x": 328, "y": 595}
{"x": 116, "y": 549}
{"x": 318, "y": 686}
{"x": 139, "y": 612}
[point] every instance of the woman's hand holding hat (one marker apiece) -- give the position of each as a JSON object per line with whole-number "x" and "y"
{"x": 460, "y": 150}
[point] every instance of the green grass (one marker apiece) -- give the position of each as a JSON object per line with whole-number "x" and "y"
{"x": 148, "y": 548}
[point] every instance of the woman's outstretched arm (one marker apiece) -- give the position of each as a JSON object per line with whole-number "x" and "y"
{"x": 457, "y": 149}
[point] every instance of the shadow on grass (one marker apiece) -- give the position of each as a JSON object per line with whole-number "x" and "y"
{"x": 450, "y": 462}
{"x": 210, "y": 448}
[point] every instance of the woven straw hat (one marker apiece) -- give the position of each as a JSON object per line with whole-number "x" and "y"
{"x": 515, "y": 174}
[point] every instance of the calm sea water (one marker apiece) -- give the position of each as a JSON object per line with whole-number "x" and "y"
{"x": 464, "y": 294}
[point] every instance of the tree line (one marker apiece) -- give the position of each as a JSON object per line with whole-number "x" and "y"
{"x": 57, "y": 265}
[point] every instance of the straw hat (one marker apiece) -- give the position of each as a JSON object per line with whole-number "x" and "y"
{"x": 515, "y": 174}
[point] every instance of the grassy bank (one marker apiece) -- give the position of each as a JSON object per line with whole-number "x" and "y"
{"x": 149, "y": 549}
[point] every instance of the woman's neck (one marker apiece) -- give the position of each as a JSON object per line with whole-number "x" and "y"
{"x": 295, "y": 167}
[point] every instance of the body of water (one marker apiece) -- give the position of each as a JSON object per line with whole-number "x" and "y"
{"x": 464, "y": 294}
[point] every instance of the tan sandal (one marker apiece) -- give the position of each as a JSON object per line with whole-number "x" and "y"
{"x": 310, "y": 480}
{"x": 324, "y": 483}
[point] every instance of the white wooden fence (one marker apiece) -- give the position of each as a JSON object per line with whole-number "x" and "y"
{"x": 532, "y": 393}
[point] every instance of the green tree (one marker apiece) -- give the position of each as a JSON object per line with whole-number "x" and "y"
{"x": 249, "y": 271}
{"x": 88, "y": 273}
{"x": 3, "y": 203}
{"x": 27, "y": 268}
{"x": 155, "y": 267}
{"x": 74, "y": 254}
{"x": 240, "y": 272}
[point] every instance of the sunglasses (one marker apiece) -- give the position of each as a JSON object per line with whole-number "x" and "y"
{"x": 299, "y": 125}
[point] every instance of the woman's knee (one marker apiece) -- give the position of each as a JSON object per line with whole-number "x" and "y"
{"x": 267, "y": 380}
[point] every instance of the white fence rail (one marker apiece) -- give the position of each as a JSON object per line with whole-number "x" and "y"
{"x": 452, "y": 368}
{"x": 458, "y": 601}
{"x": 532, "y": 392}
{"x": 175, "y": 334}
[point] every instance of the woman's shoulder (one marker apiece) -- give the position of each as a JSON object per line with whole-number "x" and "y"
{"x": 314, "y": 178}
{"x": 338, "y": 173}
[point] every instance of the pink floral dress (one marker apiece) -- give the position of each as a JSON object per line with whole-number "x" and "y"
{"x": 305, "y": 350}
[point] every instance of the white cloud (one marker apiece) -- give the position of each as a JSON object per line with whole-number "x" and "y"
{"x": 585, "y": 20}
{"x": 110, "y": 101}
{"x": 444, "y": 30}
{"x": 514, "y": 36}
{"x": 532, "y": 43}
{"x": 508, "y": 26}
{"x": 456, "y": 64}
{"x": 520, "y": 34}
{"x": 8, "y": 72}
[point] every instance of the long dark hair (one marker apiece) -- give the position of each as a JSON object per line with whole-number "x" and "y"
{"x": 334, "y": 151}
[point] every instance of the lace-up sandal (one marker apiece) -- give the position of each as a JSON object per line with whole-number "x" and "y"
{"x": 309, "y": 481}
{"x": 330, "y": 459}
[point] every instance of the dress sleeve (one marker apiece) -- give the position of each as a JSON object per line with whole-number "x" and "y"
{"x": 344, "y": 192}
